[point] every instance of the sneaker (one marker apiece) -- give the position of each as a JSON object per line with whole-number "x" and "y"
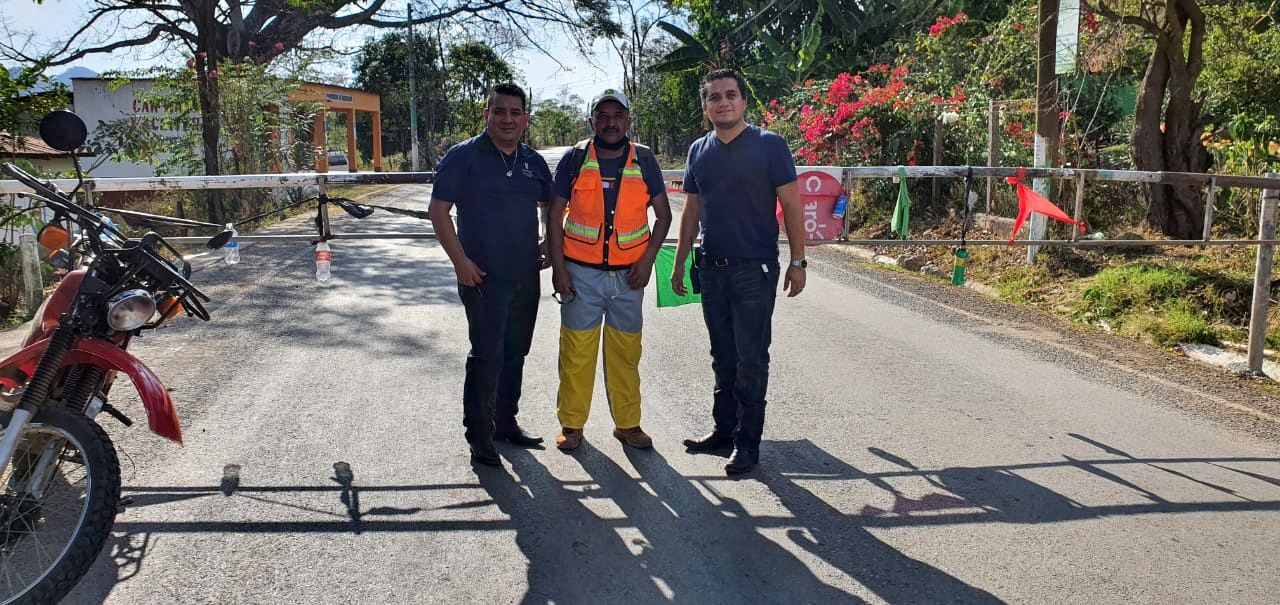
{"x": 634, "y": 437}
{"x": 569, "y": 439}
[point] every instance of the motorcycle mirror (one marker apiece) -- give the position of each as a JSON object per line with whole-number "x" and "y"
{"x": 219, "y": 240}
{"x": 63, "y": 130}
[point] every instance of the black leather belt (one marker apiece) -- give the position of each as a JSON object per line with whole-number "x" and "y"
{"x": 721, "y": 262}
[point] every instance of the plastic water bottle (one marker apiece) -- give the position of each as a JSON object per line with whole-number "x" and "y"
{"x": 231, "y": 251}
{"x": 105, "y": 238}
{"x": 842, "y": 202}
{"x": 323, "y": 256}
{"x": 957, "y": 269}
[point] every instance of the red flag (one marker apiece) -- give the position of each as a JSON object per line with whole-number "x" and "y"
{"x": 1029, "y": 201}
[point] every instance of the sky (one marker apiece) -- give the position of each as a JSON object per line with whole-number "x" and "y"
{"x": 545, "y": 77}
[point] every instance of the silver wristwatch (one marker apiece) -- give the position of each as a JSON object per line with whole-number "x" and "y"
{"x": 800, "y": 264}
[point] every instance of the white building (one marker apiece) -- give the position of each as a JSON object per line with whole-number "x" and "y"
{"x": 97, "y": 101}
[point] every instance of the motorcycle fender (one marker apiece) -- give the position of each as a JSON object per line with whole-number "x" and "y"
{"x": 162, "y": 415}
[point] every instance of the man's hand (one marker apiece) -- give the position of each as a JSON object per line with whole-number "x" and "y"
{"x": 794, "y": 282}
{"x": 544, "y": 257}
{"x": 562, "y": 282}
{"x": 677, "y": 281}
{"x": 638, "y": 275}
{"x": 469, "y": 274}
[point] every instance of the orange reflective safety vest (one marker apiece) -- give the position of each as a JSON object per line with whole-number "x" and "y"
{"x": 592, "y": 237}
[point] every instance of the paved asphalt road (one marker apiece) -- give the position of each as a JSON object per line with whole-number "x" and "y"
{"x": 922, "y": 446}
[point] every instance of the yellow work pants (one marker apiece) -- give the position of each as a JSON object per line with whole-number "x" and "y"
{"x": 601, "y": 295}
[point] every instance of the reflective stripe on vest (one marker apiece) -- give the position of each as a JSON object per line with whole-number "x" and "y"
{"x": 585, "y": 221}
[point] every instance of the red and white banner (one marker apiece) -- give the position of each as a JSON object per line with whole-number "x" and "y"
{"x": 818, "y": 193}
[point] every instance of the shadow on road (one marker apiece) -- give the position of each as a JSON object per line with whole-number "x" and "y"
{"x": 671, "y": 537}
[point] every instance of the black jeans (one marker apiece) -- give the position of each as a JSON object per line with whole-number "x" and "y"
{"x": 500, "y": 318}
{"x": 737, "y": 305}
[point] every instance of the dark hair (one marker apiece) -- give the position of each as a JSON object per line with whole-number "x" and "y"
{"x": 510, "y": 90}
{"x": 720, "y": 74}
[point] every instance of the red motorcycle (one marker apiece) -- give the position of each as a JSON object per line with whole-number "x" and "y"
{"x": 58, "y": 468}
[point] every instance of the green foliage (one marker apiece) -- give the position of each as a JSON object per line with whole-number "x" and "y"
{"x": 1179, "y": 323}
{"x": 20, "y": 108}
{"x": 1242, "y": 62}
{"x": 1116, "y": 290}
{"x": 474, "y": 69}
{"x": 1147, "y": 301}
{"x": 781, "y": 44}
{"x": 382, "y": 67}
{"x": 255, "y": 108}
{"x": 558, "y": 122}
{"x": 1246, "y": 146}
{"x": 666, "y": 110}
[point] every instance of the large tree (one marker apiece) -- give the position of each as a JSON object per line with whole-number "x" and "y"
{"x": 1168, "y": 122}
{"x": 25, "y": 95}
{"x": 558, "y": 122}
{"x": 473, "y": 69}
{"x": 779, "y": 43}
{"x": 259, "y": 31}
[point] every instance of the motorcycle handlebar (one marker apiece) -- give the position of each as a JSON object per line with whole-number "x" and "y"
{"x": 95, "y": 226}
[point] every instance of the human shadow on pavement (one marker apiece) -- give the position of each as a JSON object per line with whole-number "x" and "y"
{"x": 573, "y": 556}
{"x": 817, "y": 527}
{"x": 608, "y": 536}
{"x": 662, "y": 538}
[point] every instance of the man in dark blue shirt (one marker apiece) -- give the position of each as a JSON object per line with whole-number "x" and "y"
{"x": 733, "y": 176}
{"x": 497, "y": 183}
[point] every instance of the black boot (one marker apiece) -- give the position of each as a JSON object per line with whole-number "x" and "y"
{"x": 743, "y": 460}
{"x": 710, "y": 442}
{"x": 485, "y": 454}
{"x": 516, "y": 436}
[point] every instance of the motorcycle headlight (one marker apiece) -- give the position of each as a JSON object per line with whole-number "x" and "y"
{"x": 130, "y": 310}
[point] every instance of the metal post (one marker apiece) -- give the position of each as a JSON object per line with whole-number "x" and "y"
{"x": 413, "y": 102}
{"x": 847, "y": 181}
{"x": 1075, "y": 231}
{"x": 1208, "y": 208}
{"x": 993, "y": 147}
{"x": 1046, "y": 142}
{"x": 322, "y": 190}
{"x": 1262, "y": 279}
{"x": 937, "y": 157}
{"x": 33, "y": 284}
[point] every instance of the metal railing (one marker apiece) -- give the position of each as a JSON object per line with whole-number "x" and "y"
{"x": 1265, "y": 240}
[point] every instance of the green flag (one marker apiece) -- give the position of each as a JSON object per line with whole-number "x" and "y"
{"x": 901, "y": 210}
{"x": 662, "y": 267}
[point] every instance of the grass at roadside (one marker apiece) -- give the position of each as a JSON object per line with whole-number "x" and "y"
{"x": 1162, "y": 296}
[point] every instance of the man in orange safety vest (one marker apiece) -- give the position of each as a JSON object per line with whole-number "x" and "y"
{"x": 602, "y": 251}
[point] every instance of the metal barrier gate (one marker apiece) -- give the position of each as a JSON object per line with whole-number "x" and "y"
{"x": 1265, "y": 241}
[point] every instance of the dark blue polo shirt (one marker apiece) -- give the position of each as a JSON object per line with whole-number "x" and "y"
{"x": 738, "y": 182}
{"x": 497, "y": 214}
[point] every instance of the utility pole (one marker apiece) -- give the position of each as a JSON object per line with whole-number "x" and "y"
{"x": 1046, "y": 143}
{"x": 413, "y": 97}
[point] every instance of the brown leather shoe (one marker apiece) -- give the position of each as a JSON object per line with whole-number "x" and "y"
{"x": 634, "y": 437}
{"x": 569, "y": 439}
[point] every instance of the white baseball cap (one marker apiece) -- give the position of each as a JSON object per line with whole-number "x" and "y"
{"x": 610, "y": 94}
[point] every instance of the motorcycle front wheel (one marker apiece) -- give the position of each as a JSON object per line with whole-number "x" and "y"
{"x": 61, "y": 491}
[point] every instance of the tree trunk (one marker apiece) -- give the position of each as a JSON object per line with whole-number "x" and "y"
{"x": 1172, "y": 144}
{"x": 207, "y": 90}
